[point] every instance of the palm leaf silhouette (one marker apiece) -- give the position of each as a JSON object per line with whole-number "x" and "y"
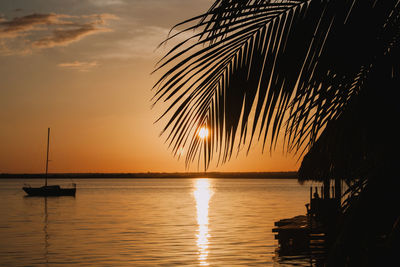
{"x": 252, "y": 69}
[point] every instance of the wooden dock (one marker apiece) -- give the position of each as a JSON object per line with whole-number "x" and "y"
{"x": 299, "y": 235}
{"x": 309, "y": 234}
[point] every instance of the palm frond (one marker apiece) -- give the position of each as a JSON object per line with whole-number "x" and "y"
{"x": 250, "y": 65}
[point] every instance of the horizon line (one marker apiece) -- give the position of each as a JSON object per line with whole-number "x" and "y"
{"x": 281, "y": 174}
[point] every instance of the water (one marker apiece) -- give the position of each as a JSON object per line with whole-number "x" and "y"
{"x": 149, "y": 222}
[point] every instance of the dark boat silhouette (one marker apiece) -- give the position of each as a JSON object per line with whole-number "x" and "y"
{"x": 49, "y": 190}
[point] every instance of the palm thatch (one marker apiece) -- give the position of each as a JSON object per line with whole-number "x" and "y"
{"x": 358, "y": 142}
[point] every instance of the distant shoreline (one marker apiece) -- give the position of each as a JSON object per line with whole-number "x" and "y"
{"x": 252, "y": 175}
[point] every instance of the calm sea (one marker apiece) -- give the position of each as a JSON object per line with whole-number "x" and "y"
{"x": 149, "y": 222}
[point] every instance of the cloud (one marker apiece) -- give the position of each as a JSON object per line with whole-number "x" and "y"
{"x": 107, "y": 2}
{"x": 66, "y": 36}
{"x": 79, "y": 65}
{"x": 18, "y": 25}
{"x": 49, "y": 30}
{"x": 142, "y": 42}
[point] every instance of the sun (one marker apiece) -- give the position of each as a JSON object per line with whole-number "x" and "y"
{"x": 203, "y": 133}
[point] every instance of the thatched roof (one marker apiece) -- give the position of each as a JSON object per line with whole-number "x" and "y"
{"x": 364, "y": 137}
{"x": 338, "y": 150}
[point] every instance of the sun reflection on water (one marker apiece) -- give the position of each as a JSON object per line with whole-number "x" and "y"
{"x": 202, "y": 194}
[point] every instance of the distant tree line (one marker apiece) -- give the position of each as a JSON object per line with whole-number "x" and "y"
{"x": 260, "y": 175}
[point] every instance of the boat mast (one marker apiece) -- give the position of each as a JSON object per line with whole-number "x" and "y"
{"x": 47, "y": 157}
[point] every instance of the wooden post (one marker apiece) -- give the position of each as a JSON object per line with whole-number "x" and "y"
{"x": 326, "y": 188}
{"x": 338, "y": 189}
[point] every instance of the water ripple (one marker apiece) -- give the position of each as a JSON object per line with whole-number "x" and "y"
{"x": 163, "y": 222}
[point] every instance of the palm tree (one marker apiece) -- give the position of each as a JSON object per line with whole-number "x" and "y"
{"x": 323, "y": 73}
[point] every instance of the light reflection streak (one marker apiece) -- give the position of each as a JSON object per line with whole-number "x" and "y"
{"x": 202, "y": 194}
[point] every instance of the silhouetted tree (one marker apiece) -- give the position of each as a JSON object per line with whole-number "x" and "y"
{"x": 324, "y": 73}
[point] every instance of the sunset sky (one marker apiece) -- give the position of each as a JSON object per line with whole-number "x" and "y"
{"x": 82, "y": 67}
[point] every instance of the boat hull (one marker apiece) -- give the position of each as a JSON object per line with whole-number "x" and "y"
{"x": 49, "y": 191}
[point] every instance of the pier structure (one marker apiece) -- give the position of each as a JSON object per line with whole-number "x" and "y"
{"x": 298, "y": 236}
{"x": 309, "y": 234}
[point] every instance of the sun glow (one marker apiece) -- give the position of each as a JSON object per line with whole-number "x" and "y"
{"x": 202, "y": 194}
{"x": 203, "y": 132}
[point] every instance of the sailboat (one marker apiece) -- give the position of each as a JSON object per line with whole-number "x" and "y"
{"x": 49, "y": 190}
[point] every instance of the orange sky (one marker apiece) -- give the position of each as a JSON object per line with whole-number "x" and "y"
{"x": 82, "y": 67}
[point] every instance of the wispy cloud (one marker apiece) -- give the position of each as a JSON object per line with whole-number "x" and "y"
{"x": 79, "y": 65}
{"x": 142, "y": 42}
{"x": 49, "y": 30}
{"x": 106, "y": 2}
{"x": 64, "y": 37}
{"x": 20, "y": 25}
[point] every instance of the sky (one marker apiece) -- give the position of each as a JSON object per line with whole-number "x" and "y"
{"x": 83, "y": 68}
